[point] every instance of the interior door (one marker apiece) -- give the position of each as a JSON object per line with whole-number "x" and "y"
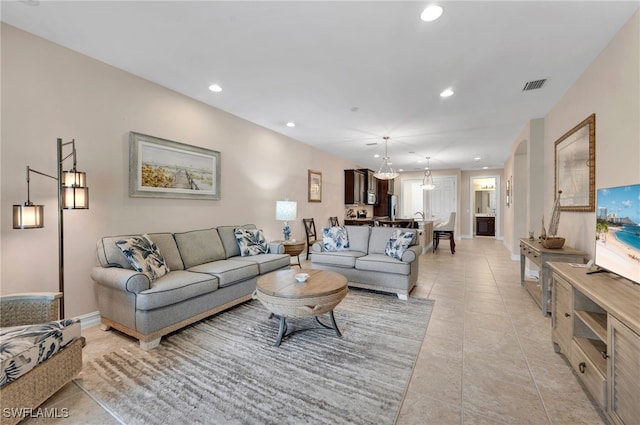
{"x": 443, "y": 199}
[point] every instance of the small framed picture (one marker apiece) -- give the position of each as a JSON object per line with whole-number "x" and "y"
{"x": 315, "y": 186}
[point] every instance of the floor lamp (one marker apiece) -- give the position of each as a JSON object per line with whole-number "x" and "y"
{"x": 72, "y": 194}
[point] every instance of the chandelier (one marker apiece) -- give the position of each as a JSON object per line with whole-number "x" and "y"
{"x": 427, "y": 181}
{"x": 386, "y": 171}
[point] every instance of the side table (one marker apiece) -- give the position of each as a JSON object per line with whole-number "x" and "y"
{"x": 540, "y": 256}
{"x": 293, "y": 248}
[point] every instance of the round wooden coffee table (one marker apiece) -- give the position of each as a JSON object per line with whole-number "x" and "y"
{"x": 284, "y": 297}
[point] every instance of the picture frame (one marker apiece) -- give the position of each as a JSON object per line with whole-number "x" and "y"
{"x": 575, "y": 167}
{"x": 314, "y": 186}
{"x": 161, "y": 168}
{"x": 508, "y": 192}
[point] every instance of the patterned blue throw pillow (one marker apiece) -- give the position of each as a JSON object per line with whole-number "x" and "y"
{"x": 251, "y": 242}
{"x": 144, "y": 256}
{"x": 398, "y": 244}
{"x": 335, "y": 238}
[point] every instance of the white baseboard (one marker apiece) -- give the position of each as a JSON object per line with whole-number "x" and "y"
{"x": 89, "y": 320}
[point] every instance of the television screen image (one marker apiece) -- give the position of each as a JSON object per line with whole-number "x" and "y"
{"x": 618, "y": 231}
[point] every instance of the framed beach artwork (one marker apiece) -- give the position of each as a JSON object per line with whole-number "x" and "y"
{"x": 575, "y": 167}
{"x": 314, "y": 186}
{"x": 160, "y": 168}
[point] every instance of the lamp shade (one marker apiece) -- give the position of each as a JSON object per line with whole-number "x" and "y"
{"x": 73, "y": 179}
{"x": 75, "y": 198}
{"x": 28, "y": 216}
{"x": 286, "y": 210}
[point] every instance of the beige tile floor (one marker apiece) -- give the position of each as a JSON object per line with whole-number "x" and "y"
{"x": 487, "y": 357}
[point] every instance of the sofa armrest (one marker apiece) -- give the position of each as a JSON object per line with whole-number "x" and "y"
{"x": 317, "y": 247}
{"x": 121, "y": 279}
{"x": 276, "y": 248}
{"x": 412, "y": 253}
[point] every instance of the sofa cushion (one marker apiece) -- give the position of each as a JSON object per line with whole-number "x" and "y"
{"x": 251, "y": 242}
{"x": 175, "y": 287}
{"x": 337, "y": 258}
{"x": 199, "y": 247}
{"x": 144, "y": 256}
{"x": 167, "y": 245}
{"x": 335, "y": 238}
{"x": 383, "y": 263}
{"x": 398, "y": 243}
{"x": 358, "y": 238}
{"x": 24, "y": 347}
{"x": 228, "y": 238}
{"x": 268, "y": 262}
{"x": 381, "y": 235}
{"x": 228, "y": 271}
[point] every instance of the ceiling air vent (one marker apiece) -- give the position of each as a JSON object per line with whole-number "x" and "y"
{"x": 534, "y": 85}
{"x": 372, "y": 144}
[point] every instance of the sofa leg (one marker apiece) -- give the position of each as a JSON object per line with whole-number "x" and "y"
{"x": 403, "y": 297}
{"x": 149, "y": 345}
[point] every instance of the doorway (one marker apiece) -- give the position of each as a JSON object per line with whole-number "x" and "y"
{"x": 485, "y": 196}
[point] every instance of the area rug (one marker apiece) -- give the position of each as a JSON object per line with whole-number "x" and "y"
{"x": 226, "y": 369}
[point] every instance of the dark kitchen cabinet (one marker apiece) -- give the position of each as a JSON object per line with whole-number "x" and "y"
{"x": 370, "y": 195}
{"x": 354, "y": 187}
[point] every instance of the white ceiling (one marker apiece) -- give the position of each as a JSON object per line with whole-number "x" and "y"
{"x": 349, "y": 73}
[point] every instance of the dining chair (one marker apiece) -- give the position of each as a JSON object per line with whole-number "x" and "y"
{"x": 310, "y": 230}
{"x": 445, "y": 231}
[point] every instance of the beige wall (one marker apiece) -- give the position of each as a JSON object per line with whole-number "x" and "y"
{"x": 610, "y": 88}
{"x": 50, "y": 92}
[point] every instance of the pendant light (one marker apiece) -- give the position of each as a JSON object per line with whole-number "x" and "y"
{"x": 386, "y": 171}
{"x": 427, "y": 181}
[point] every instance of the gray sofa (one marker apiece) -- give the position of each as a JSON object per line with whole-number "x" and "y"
{"x": 365, "y": 263}
{"x": 207, "y": 275}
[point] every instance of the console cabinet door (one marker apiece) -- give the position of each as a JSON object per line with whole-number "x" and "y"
{"x": 561, "y": 315}
{"x": 624, "y": 373}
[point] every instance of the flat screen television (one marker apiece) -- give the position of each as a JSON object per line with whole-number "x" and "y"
{"x": 618, "y": 231}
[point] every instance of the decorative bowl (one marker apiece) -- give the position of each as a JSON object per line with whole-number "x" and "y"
{"x": 552, "y": 242}
{"x": 301, "y": 277}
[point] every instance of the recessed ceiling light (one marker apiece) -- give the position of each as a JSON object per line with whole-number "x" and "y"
{"x": 448, "y": 92}
{"x": 431, "y": 13}
{"x": 290, "y": 124}
{"x": 477, "y": 158}
{"x": 376, "y": 156}
{"x": 215, "y": 88}
{"x": 485, "y": 168}
{"x": 400, "y": 169}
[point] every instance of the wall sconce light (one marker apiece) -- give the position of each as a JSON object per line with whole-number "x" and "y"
{"x": 285, "y": 211}
{"x": 72, "y": 194}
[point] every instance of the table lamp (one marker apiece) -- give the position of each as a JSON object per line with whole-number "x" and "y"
{"x": 285, "y": 211}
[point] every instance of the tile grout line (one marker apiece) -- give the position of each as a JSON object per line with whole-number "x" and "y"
{"x": 524, "y": 354}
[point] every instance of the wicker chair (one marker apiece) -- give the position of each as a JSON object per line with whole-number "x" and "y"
{"x": 36, "y": 386}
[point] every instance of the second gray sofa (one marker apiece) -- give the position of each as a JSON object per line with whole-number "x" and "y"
{"x": 365, "y": 263}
